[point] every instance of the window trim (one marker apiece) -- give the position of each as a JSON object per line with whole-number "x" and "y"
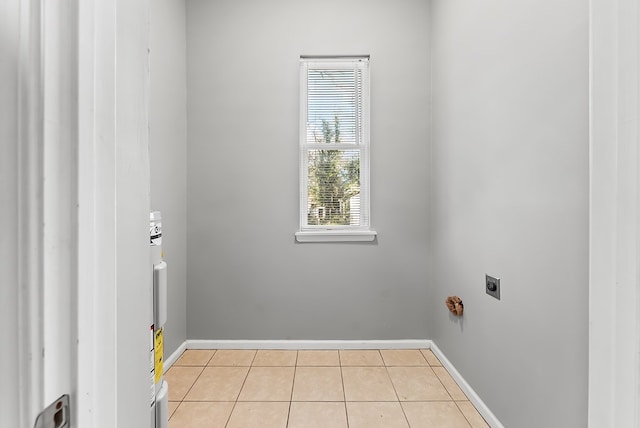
{"x": 333, "y": 233}
{"x": 330, "y": 235}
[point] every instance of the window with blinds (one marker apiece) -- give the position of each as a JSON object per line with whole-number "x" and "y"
{"x": 334, "y": 144}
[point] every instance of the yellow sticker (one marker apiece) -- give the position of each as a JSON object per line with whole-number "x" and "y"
{"x": 159, "y": 350}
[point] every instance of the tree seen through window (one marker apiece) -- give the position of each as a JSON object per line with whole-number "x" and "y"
{"x": 334, "y": 180}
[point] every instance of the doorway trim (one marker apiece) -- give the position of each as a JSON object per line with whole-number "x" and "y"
{"x": 30, "y": 207}
{"x": 614, "y": 230}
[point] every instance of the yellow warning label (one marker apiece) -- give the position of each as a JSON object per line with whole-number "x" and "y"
{"x": 159, "y": 350}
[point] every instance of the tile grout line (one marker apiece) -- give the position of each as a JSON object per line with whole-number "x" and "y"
{"x": 442, "y": 383}
{"x": 386, "y": 369}
{"x": 454, "y": 401}
{"x": 438, "y": 377}
{"x": 428, "y": 365}
{"x": 215, "y": 351}
{"x": 293, "y": 384}
{"x": 463, "y": 414}
{"x": 344, "y": 392}
{"x": 240, "y": 391}
{"x": 194, "y": 382}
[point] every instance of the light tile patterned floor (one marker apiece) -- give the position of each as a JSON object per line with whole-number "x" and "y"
{"x": 309, "y": 389}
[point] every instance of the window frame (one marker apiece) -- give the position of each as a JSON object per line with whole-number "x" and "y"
{"x": 335, "y": 233}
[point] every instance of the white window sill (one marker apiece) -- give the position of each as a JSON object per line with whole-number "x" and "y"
{"x": 336, "y": 235}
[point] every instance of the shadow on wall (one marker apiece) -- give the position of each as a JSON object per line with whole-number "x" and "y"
{"x": 457, "y": 320}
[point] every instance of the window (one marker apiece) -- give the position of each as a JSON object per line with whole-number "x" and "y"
{"x": 334, "y": 149}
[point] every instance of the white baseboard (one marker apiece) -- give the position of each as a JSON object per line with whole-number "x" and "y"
{"x": 168, "y": 362}
{"x": 309, "y": 344}
{"x": 482, "y": 408}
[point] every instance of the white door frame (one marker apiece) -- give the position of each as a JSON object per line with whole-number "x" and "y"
{"x": 11, "y": 405}
{"x": 97, "y": 293}
{"x": 47, "y": 180}
{"x": 114, "y": 291}
{"x": 614, "y": 277}
{"x": 82, "y": 185}
{"x": 30, "y": 212}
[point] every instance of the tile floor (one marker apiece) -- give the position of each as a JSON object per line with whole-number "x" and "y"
{"x": 309, "y": 389}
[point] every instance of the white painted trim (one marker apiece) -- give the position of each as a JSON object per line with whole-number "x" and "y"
{"x": 96, "y": 400}
{"x": 309, "y": 344}
{"x": 168, "y": 362}
{"x": 30, "y": 212}
{"x": 614, "y": 203}
{"x": 60, "y": 198}
{"x": 9, "y": 258}
{"x": 336, "y": 235}
{"x": 473, "y": 397}
{"x": 88, "y": 264}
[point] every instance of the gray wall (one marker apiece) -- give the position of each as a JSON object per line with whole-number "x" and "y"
{"x": 248, "y": 279}
{"x": 510, "y": 198}
{"x": 168, "y": 152}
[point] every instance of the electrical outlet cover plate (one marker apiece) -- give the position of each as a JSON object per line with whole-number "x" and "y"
{"x": 492, "y": 286}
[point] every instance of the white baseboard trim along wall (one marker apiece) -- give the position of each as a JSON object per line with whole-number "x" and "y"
{"x": 308, "y": 344}
{"x": 486, "y": 413}
{"x": 482, "y": 408}
{"x": 168, "y": 362}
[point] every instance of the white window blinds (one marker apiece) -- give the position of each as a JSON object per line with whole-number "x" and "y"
{"x": 334, "y": 143}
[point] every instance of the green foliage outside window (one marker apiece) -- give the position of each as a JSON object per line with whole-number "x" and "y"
{"x": 334, "y": 178}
